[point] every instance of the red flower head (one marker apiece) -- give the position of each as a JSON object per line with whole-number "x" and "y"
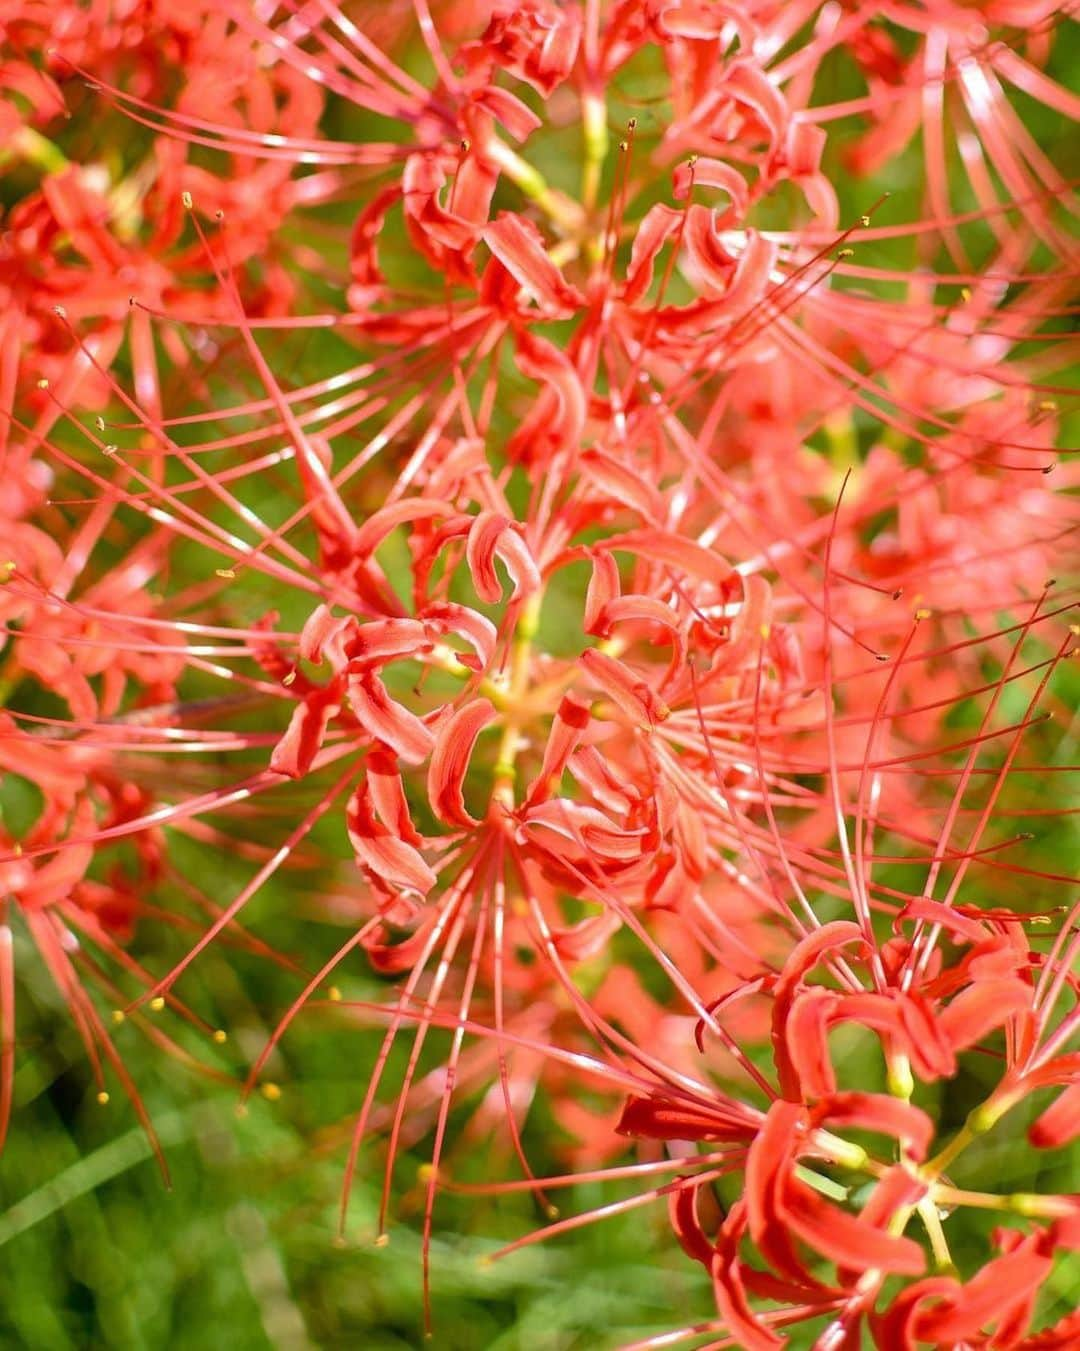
{"x": 517, "y": 465}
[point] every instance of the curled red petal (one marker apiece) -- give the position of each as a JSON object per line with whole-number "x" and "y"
{"x": 895, "y": 1189}
{"x": 805, "y": 1068}
{"x": 673, "y": 551}
{"x": 642, "y": 610}
{"x": 621, "y": 481}
{"x": 803, "y": 958}
{"x": 446, "y": 238}
{"x": 1063, "y": 1336}
{"x": 1062, "y": 1069}
{"x": 732, "y": 284}
{"x": 636, "y": 698}
{"x": 666, "y": 1119}
{"x": 383, "y": 522}
{"x": 557, "y": 418}
{"x": 602, "y": 589}
{"x": 396, "y": 863}
{"x": 933, "y": 912}
{"x": 386, "y": 640}
{"x": 894, "y": 1330}
{"x": 519, "y": 246}
{"x": 712, "y": 173}
{"x": 364, "y": 266}
{"x": 749, "y": 84}
{"x": 769, "y": 1162}
{"x": 450, "y": 757}
{"x": 682, "y": 1211}
{"x": 803, "y": 148}
{"x": 333, "y": 523}
{"x": 1059, "y": 1125}
{"x": 590, "y": 832}
{"x": 587, "y": 938}
{"x": 478, "y": 631}
{"x": 754, "y": 619}
{"x": 518, "y": 119}
{"x": 387, "y": 720}
{"x": 567, "y": 727}
{"x": 387, "y": 796}
{"x": 800, "y": 160}
{"x": 846, "y": 1239}
{"x": 993, "y": 1294}
{"x": 389, "y": 959}
{"x": 882, "y": 1113}
{"x": 535, "y": 41}
{"x": 981, "y": 1008}
{"x": 659, "y": 224}
{"x": 320, "y": 627}
{"x": 491, "y": 535}
{"x": 304, "y": 735}
{"x": 40, "y": 887}
{"x": 731, "y": 1297}
{"x": 931, "y": 1051}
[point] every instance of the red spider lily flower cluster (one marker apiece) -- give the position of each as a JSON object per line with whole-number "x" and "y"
{"x": 530, "y": 466}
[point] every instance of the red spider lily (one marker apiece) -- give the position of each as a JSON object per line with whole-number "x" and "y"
{"x": 744, "y": 102}
{"x": 77, "y": 920}
{"x": 90, "y": 640}
{"x": 576, "y": 650}
{"x": 742, "y": 319}
{"x": 927, "y": 1010}
{"x": 940, "y": 1311}
{"x": 97, "y": 235}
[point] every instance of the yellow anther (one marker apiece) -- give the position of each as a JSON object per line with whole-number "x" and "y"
{"x": 227, "y": 573}
{"x": 157, "y": 1003}
{"x": 185, "y": 197}
{"x": 118, "y": 1016}
{"x": 334, "y": 994}
{"x": 103, "y": 1097}
{"x": 220, "y": 1035}
{"x": 271, "y": 1092}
